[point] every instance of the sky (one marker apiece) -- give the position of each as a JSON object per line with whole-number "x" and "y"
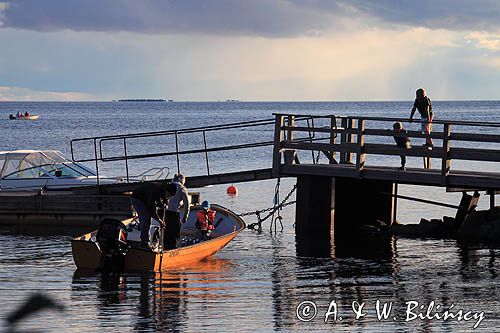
{"x": 251, "y": 50}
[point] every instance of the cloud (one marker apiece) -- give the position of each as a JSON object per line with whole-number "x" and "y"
{"x": 268, "y": 18}
{"x": 3, "y": 7}
{"x": 486, "y": 41}
{"x": 458, "y": 15}
{"x": 256, "y": 17}
{"x": 25, "y": 94}
{"x": 369, "y": 65}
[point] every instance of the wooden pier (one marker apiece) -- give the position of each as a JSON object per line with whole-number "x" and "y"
{"x": 347, "y": 168}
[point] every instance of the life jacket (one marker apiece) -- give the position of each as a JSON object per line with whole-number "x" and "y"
{"x": 206, "y": 220}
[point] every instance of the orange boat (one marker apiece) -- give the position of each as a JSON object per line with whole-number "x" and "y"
{"x": 91, "y": 252}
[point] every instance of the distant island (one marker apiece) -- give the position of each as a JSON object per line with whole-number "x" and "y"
{"x": 142, "y": 100}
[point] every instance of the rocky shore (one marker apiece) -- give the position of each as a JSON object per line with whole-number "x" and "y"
{"x": 468, "y": 225}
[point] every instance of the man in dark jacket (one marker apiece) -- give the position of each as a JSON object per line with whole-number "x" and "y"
{"x": 145, "y": 198}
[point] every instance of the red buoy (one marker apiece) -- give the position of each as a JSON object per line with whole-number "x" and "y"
{"x": 232, "y": 190}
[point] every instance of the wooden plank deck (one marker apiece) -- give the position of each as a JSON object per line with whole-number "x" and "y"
{"x": 414, "y": 176}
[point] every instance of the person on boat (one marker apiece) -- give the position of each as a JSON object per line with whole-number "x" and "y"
{"x": 206, "y": 220}
{"x": 172, "y": 216}
{"x": 11, "y": 116}
{"x": 145, "y": 199}
{"x": 424, "y": 106}
{"x": 26, "y": 114}
{"x": 19, "y": 114}
{"x": 402, "y": 141}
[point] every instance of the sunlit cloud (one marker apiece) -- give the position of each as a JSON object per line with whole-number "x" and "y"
{"x": 488, "y": 41}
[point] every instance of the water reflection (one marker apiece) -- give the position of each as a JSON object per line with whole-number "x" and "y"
{"x": 161, "y": 299}
{"x": 44, "y": 230}
{"x": 316, "y": 245}
{"x": 325, "y": 245}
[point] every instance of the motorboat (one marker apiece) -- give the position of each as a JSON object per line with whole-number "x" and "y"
{"x": 23, "y": 117}
{"x": 115, "y": 245}
{"x": 28, "y": 170}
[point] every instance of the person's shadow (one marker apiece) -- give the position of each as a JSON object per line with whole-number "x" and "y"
{"x": 33, "y": 304}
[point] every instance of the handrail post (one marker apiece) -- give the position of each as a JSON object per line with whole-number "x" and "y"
{"x": 288, "y": 154}
{"x": 206, "y": 153}
{"x": 291, "y": 123}
{"x": 177, "y": 152}
{"x": 333, "y": 135}
{"x": 311, "y": 134}
{"x": 346, "y": 137}
{"x": 360, "y": 157}
{"x": 278, "y": 138}
{"x": 446, "y": 162}
{"x": 126, "y": 157}
{"x": 96, "y": 164}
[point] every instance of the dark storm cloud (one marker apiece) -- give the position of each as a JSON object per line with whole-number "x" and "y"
{"x": 447, "y": 14}
{"x": 246, "y": 17}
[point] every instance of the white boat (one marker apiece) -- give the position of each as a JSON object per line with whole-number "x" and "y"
{"x": 30, "y": 170}
{"x": 30, "y": 117}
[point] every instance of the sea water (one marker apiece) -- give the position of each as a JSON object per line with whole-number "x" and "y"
{"x": 258, "y": 282}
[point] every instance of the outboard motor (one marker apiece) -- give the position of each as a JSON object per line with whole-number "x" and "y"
{"x": 111, "y": 239}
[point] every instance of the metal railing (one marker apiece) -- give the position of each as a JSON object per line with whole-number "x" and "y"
{"x": 125, "y": 140}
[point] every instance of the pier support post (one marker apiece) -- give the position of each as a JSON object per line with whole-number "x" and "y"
{"x": 315, "y": 204}
{"x": 314, "y": 216}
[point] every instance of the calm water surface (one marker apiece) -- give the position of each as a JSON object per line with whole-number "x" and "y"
{"x": 257, "y": 282}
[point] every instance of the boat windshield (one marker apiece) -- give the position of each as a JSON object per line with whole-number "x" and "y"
{"x": 81, "y": 169}
{"x": 62, "y": 170}
{"x": 34, "y": 172}
{"x": 39, "y": 164}
{"x": 20, "y": 160}
{"x": 57, "y": 170}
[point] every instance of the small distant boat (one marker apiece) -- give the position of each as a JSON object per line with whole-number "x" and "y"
{"x": 30, "y": 117}
{"x": 115, "y": 244}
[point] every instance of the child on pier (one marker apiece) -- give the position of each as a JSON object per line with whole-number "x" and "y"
{"x": 402, "y": 141}
{"x": 424, "y": 106}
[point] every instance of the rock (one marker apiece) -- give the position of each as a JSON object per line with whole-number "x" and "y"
{"x": 450, "y": 226}
{"x": 432, "y": 228}
{"x": 491, "y": 230}
{"x": 380, "y": 224}
{"x": 449, "y": 222}
{"x": 471, "y": 226}
{"x": 485, "y": 231}
{"x": 403, "y": 230}
{"x": 367, "y": 230}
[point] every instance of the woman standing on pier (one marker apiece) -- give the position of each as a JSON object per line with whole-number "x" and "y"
{"x": 424, "y": 106}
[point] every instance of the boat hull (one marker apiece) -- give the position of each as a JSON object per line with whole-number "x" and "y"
{"x": 34, "y": 117}
{"x": 87, "y": 255}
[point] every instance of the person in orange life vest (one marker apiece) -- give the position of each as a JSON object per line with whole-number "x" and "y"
{"x": 206, "y": 219}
